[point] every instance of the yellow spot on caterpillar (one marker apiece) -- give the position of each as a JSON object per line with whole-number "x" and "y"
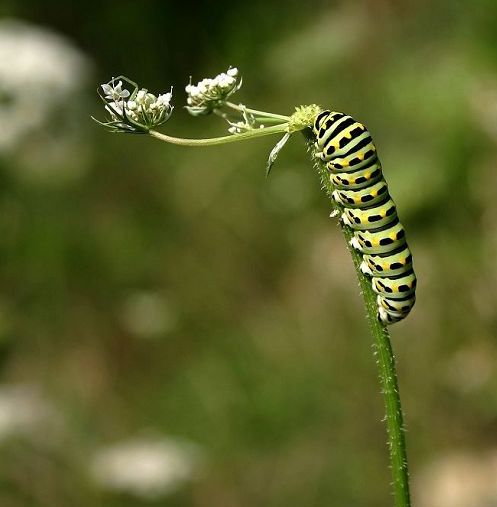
{"x": 383, "y": 213}
{"x": 374, "y": 193}
{"x": 367, "y": 175}
{"x": 395, "y": 288}
{"x": 393, "y": 236}
{"x": 360, "y": 156}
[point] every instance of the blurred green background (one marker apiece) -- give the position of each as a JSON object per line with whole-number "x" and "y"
{"x": 176, "y": 330}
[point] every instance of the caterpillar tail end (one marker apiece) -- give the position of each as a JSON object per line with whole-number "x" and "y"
{"x": 387, "y": 318}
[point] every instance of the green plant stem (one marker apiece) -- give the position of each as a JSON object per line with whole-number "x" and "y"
{"x": 213, "y": 141}
{"x": 260, "y": 119}
{"x": 257, "y": 113}
{"x": 384, "y": 356}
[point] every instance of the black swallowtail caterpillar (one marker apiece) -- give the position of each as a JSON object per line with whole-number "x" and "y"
{"x": 361, "y": 193}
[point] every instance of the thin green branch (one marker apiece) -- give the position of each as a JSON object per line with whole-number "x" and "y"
{"x": 213, "y": 141}
{"x": 257, "y": 113}
{"x": 384, "y": 356}
{"x": 260, "y": 119}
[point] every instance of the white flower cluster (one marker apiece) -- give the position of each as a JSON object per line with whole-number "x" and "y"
{"x": 136, "y": 112}
{"x": 25, "y": 412}
{"x": 210, "y": 94}
{"x": 41, "y": 74}
{"x": 43, "y": 86}
{"x": 145, "y": 467}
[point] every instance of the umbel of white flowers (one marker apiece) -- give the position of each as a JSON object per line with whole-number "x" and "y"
{"x": 138, "y": 111}
{"x": 134, "y": 112}
{"x": 212, "y": 93}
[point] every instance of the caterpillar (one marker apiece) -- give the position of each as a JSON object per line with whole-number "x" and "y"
{"x": 362, "y": 196}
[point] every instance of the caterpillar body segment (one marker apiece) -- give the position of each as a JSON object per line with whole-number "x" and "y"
{"x": 380, "y": 241}
{"x": 370, "y": 218}
{"x": 363, "y": 197}
{"x": 394, "y": 310}
{"x": 357, "y": 179}
{"x": 352, "y": 162}
{"x": 393, "y": 264}
{"x": 361, "y": 194}
{"x": 395, "y": 288}
{"x": 398, "y": 306}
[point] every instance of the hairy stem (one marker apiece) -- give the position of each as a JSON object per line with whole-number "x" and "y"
{"x": 384, "y": 356}
{"x": 251, "y": 134}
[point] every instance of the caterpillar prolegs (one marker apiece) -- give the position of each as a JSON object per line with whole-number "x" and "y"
{"x": 362, "y": 195}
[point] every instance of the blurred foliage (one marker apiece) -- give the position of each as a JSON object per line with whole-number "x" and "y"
{"x": 175, "y": 291}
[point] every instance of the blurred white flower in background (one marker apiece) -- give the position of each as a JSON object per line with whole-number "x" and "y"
{"x": 146, "y": 467}
{"x": 148, "y": 314}
{"x": 42, "y": 78}
{"x": 25, "y": 413}
{"x": 461, "y": 479}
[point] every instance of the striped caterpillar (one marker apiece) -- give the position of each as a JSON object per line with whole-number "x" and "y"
{"x": 361, "y": 193}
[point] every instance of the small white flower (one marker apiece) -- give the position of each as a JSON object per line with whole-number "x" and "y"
{"x": 164, "y": 99}
{"x": 108, "y": 91}
{"x": 224, "y": 81}
{"x": 239, "y": 127}
{"x": 209, "y": 94}
{"x": 249, "y": 123}
{"x": 114, "y": 91}
{"x": 140, "y": 96}
{"x": 115, "y": 108}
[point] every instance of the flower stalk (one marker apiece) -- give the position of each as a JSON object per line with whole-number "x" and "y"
{"x": 213, "y": 141}
{"x": 383, "y": 352}
{"x": 261, "y": 114}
